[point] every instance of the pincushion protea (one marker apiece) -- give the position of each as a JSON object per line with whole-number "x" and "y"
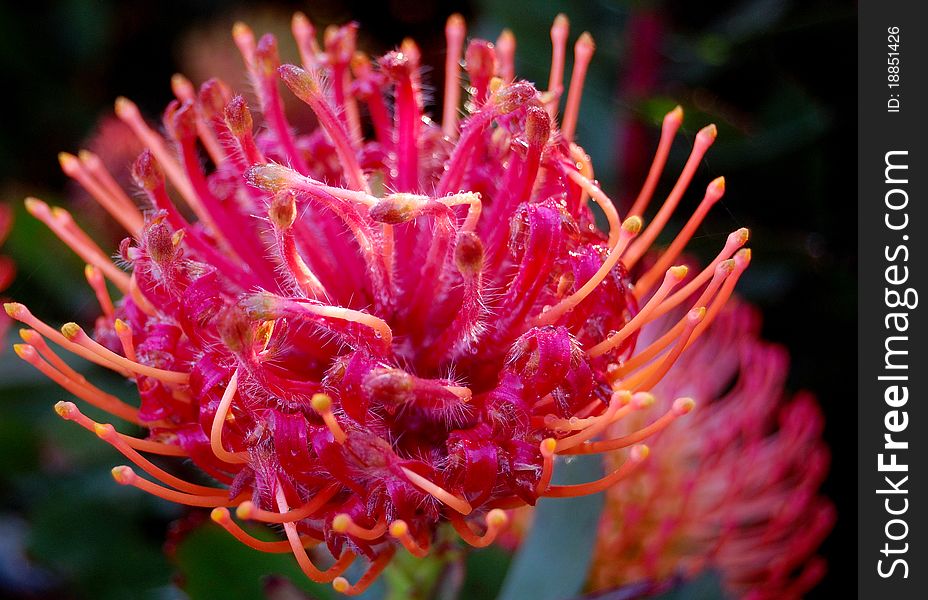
{"x": 385, "y": 324}
{"x": 738, "y": 492}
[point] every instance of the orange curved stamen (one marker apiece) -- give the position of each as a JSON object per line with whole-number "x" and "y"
{"x": 126, "y": 476}
{"x": 547, "y": 447}
{"x": 322, "y": 404}
{"x": 602, "y": 201}
{"x": 20, "y": 313}
{"x": 82, "y": 389}
{"x": 496, "y": 521}
{"x": 215, "y": 432}
{"x": 76, "y": 170}
{"x": 69, "y": 411}
{"x": 704, "y": 139}
{"x": 671, "y": 124}
{"x": 221, "y": 516}
{"x": 673, "y": 277}
{"x": 630, "y": 229}
{"x": 442, "y": 495}
{"x": 736, "y": 240}
{"x": 619, "y": 400}
{"x": 343, "y": 523}
{"x": 355, "y": 316}
{"x": 637, "y": 456}
{"x": 713, "y": 193}
{"x": 62, "y": 225}
{"x": 74, "y": 333}
{"x": 742, "y": 260}
{"x": 722, "y": 271}
{"x": 648, "y": 377}
{"x": 124, "y": 209}
{"x": 583, "y": 54}
{"x": 98, "y": 284}
{"x": 247, "y": 510}
{"x": 108, "y": 434}
{"x": 681, "y": 406}
{"x": 399, "y": 530}
{"x": 299, "y": 552}
{"x": 341, "y": 585}
{"x": 124, "y": 333}
{"x": 139, "y": 298}
{"x": 35, "y": 339}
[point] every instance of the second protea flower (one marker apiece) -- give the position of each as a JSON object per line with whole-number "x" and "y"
{"x": 384, "y": 324}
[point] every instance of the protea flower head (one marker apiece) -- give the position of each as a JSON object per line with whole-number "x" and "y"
{"x": 738, "y": 492}
{"x": 385, "y": 324}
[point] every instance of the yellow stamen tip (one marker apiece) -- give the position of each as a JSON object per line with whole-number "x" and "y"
{"x": 643, "y": 399}
{"x": 321, "y": 403}
{"x": 726, "y": 266}
{"x": 633, "y": 225}
{"x": 697, "y": 314}
{"x": 121, "y": 326}
{"x": 341, "y": 585}
{"x": 13, "y": 308}
{"x": 718, "y": 185}
{"x": 682, "y": 406}
{"x": 678, "y": 272}
{"x": 743, "y": 255}
{"x": 497, "y": 518}
{"x": 23, "y": 350}
{"x": 547, "y": 446}
{"x": 101, "y": 429}
{"x": 124, "y": 106}
{"x": 455, "y": 21}
{"x": 586, "y": 42}
{"x": 64, "y": 409}
{"x": 67, "y": 161}
{"x": 623, "y": 397}
{"x": 340, "y": 523}
{"x": 219, "y": 515}
{"x": 71, "y": 330}
{"x": 245, "y": 510}
{"x": 676, "y": 114}
{"x": 34, "y": 205}
{"x": 123, "y": 474}
{"x": 640, "y": 452}
{"x": 399, "y": 528}
{"x": 710, "y": 131}
{"x": 241, "y": 29}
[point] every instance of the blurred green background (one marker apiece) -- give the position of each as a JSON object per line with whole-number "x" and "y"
{"x": 776, "y": 77}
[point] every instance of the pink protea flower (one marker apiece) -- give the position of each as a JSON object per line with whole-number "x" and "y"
{"x": 738, "y": 492}
{"x": 384, "y": 324}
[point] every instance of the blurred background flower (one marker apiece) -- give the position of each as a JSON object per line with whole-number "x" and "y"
{"x": 786, "y": 131}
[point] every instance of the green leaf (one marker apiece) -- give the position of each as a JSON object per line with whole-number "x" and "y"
{"x": 554, "y": 559}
